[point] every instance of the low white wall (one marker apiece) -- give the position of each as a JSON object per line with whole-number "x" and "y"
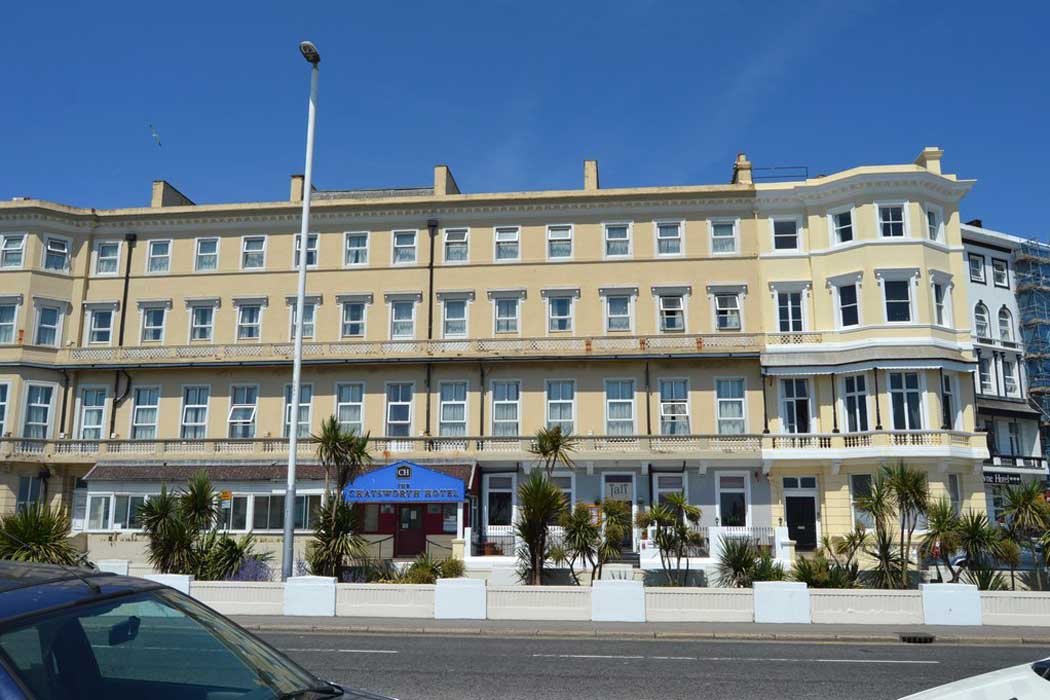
{"x": 865, "y": 607}
{"x": 1015, "y": 608}
{"x": 782, "y": 602}
{"x": 240, "y": 597}
{"x": 617, "y": 601}
{"x": 384, "y": 600}
{"x": 310, "y": 596}
{"x": 460, "y": 599}
{"x": 179, "y": 582}
{"x": 950, "y": 604}
{"x": 539, "y": 603}
{"x": 699, "y": 605}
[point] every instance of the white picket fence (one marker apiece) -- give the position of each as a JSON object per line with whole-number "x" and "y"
{"x": 933, "y": 604}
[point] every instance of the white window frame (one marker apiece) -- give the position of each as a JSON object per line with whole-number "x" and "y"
{"x": 854, "y": 510}
{"x": 49, "y": 425}
{"x": 388, "y": 403}
{"x": 20, "y": 248}
{"x": 549, "y": 295}
{"x": 455, "y": 231}
{"x": 15, "y": 302}
{"x": 442, "y": 403}
{"x": 311, "y": 304}
{"x": 82, "y": 408}
{"x": 252, "y": 422}
{"x": 1010, "y": 376}
{"x": 144, "y": 307}
{"x": 466, "y": 298}
{"x": 347, "y": 235}
{"x": 804, "y": 290}
{"x": 660, "y": 491}
{"x": 151, "y": 256}
{"x": 60, "y": 308}
{"x": 783, "y": 399}
{"x": 923, "y": 418}
{"x": 728, "y": 312}
{"x": 516, "y": 403}
{"x": 191, "y": 306}
{"x": 980, "y": 310}
{"x": 347, "y": 300}
{"x": 843, "y": 407}
{"x": 133, "y": 421}
{"x": 605, "y": 239}
{"x": 96, "y": 257}
{"x": 985, "y": 387}
{"x": 245, "y": 252}
{"x": 241, "y": 304}
{"x": 394, "y": 247}
{"x": 495, "y": 296}
{"x": 1006, "y": 273}
{"x": 909, "y": 275}
{"x": 287, "y": 408}
{"x": 348, "y": 425}
{"x": 722, "y": 221}
{"x": 629, "y": 293}
{"x": 773, "y": 234}
{"x": 719, "y": 401}
{"x": 487, "y": 489}
{"x": 945, "y": 281}
{"x": 981, "y": 278}
{"x": 952, "y": 385}
{"x": 658, "y": 293}
{"x": 391, "y": 302}
{"x": 6, "y": 401}
{"x": 1011, "y": 336}
{"x": 719, "y": 490}
{"x": 632, "y": 402}
{"x": 561, "y": 228}
{"x": 903, "y": 204}
{"x": 834, "y": 230}
{"x": 680, "y": 223}
{"x": 91, "y": 311}
{"x": 548, "y": 402}
{"x": 197, "y": 254}
{"x": 46, "y": 249}
{"x": 938, "y": 212}
{"x": 315, "y": 249}
{"x": 496, "y": 231}
{"x": 660, "y": 403}
{"x": 183, "y": 425}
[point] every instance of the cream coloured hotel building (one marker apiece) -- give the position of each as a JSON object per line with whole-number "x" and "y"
{"x": 763, "y": 347}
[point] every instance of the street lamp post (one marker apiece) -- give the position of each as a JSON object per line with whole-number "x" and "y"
{"x": 309, "y": 52}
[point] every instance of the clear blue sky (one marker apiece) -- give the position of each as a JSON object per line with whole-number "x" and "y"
{"x": 514, "y": 95}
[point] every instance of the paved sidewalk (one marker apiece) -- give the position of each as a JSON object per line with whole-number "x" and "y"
{"x": 745, "y": 631}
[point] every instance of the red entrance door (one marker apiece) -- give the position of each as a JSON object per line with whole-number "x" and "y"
{"x": 410, "y": 539}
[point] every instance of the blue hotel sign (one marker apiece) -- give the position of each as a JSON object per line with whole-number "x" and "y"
{"x": 404, "y": 482}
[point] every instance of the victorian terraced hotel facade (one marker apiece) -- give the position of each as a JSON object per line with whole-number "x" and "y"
{"x": 763, "y": 347}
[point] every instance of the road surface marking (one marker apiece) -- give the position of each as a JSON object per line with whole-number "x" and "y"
{"x": 350, "y": 651}
{"x": 735, "y": 658}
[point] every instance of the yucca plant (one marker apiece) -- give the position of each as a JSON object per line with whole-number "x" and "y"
{"x": 909, "y": 491}
{"x": 881, "y": 548}
{"x": 986, "y": 578}
{"x": 737, "y": 562}
{"x": 335, "y": 542}
{"x": 37, "y": 534}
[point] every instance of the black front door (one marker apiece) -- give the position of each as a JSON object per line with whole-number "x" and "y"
{"x": 802, "y": 522}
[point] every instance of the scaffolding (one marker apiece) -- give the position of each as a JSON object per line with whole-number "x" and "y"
{"x": 1032, "y": 276}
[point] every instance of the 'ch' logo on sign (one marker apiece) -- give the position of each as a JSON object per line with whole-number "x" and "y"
{"x": 404, "y": 472}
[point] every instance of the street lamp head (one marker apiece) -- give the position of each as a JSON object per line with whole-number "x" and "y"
{"x": 309, "y": 52}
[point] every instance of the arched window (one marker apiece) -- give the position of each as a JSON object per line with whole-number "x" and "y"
{"x": 980, "y": 321}
{"x": 1006, "y": 325}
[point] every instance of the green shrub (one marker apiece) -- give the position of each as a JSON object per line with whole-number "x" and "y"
{"x": 819, "y": 572}
{"x": 452, "y": 568}
{"x": 38, "y": 534}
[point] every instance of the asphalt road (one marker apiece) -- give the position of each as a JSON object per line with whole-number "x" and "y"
{"x": 496, "y": 668}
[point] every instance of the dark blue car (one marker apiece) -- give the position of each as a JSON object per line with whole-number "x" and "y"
{"x": 76, "y": 634}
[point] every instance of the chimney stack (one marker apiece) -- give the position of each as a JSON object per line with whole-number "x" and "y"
{"x": 590, "y": 175}
{"x": 164, "y": 195}
{"x": 742, "y": 170}
{"x": 930, "y": 158}
{"x": 444, "y": 183}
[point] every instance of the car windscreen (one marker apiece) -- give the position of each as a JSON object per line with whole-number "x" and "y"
{"x": 151, "y": 645}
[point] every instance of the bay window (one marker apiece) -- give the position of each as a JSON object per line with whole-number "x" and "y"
{"x": 891, "y": 220}
{"x": 48, "y": 325}
{"x": 56, "y": 254}
{"x": 841, "y": 226}
{"x": 785, "y": 234}
{"x": 795, "y": 404}
{"x": 12, "y": 250}
{"x": 906, "y": 400}
{"x": 855, "y": 398}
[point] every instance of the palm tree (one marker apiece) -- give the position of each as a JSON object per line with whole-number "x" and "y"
{"x": 331, "y": 445}
{"x": 541, "y": 503}
{"x": 358, "y": 458}
{"x": 910, "y": 494}
{"x": 882, "y": 548}
{"x": 1026, "y": 511}
{"x": 170, "y": 539}
{"x": 37, "y": 534}
{"x": 674, "y": 534}
{"x": 198, "y": 503}
{"x": 335, "y": 540}
{"x": 977, "y": 537}
{"x": 553, "y": 446}
{"x": 942, "y": 534}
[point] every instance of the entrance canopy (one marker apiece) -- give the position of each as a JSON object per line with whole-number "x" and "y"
{"x": 404, "y": 482}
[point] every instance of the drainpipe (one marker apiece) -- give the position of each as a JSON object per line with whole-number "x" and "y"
{"x": 131, "y": 238}
{"x": 834, "y": 406}
{"x": 432, "y": 225}
{"x": 878, "y": 413}
{"x": 648, "y": 403}
{"x": 118, "y": 398}
{"x": 765, "y": 406}
{"x": 944, "y": 414}
{"x": 997, "y": 360}
{"x": 65, "y": 401}
{"x": 481, "y": 398}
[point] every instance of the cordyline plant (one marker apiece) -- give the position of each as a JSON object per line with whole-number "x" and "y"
{"x": 592, "y": 542}
{"x": 37, "y": 534}
{"x": 541, "y": 502}
{"x": 553, "y": 446}
{"x": 1029, "y": 516}
{"x": 343, "y": 451}
{"x": 673, "y": 522}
